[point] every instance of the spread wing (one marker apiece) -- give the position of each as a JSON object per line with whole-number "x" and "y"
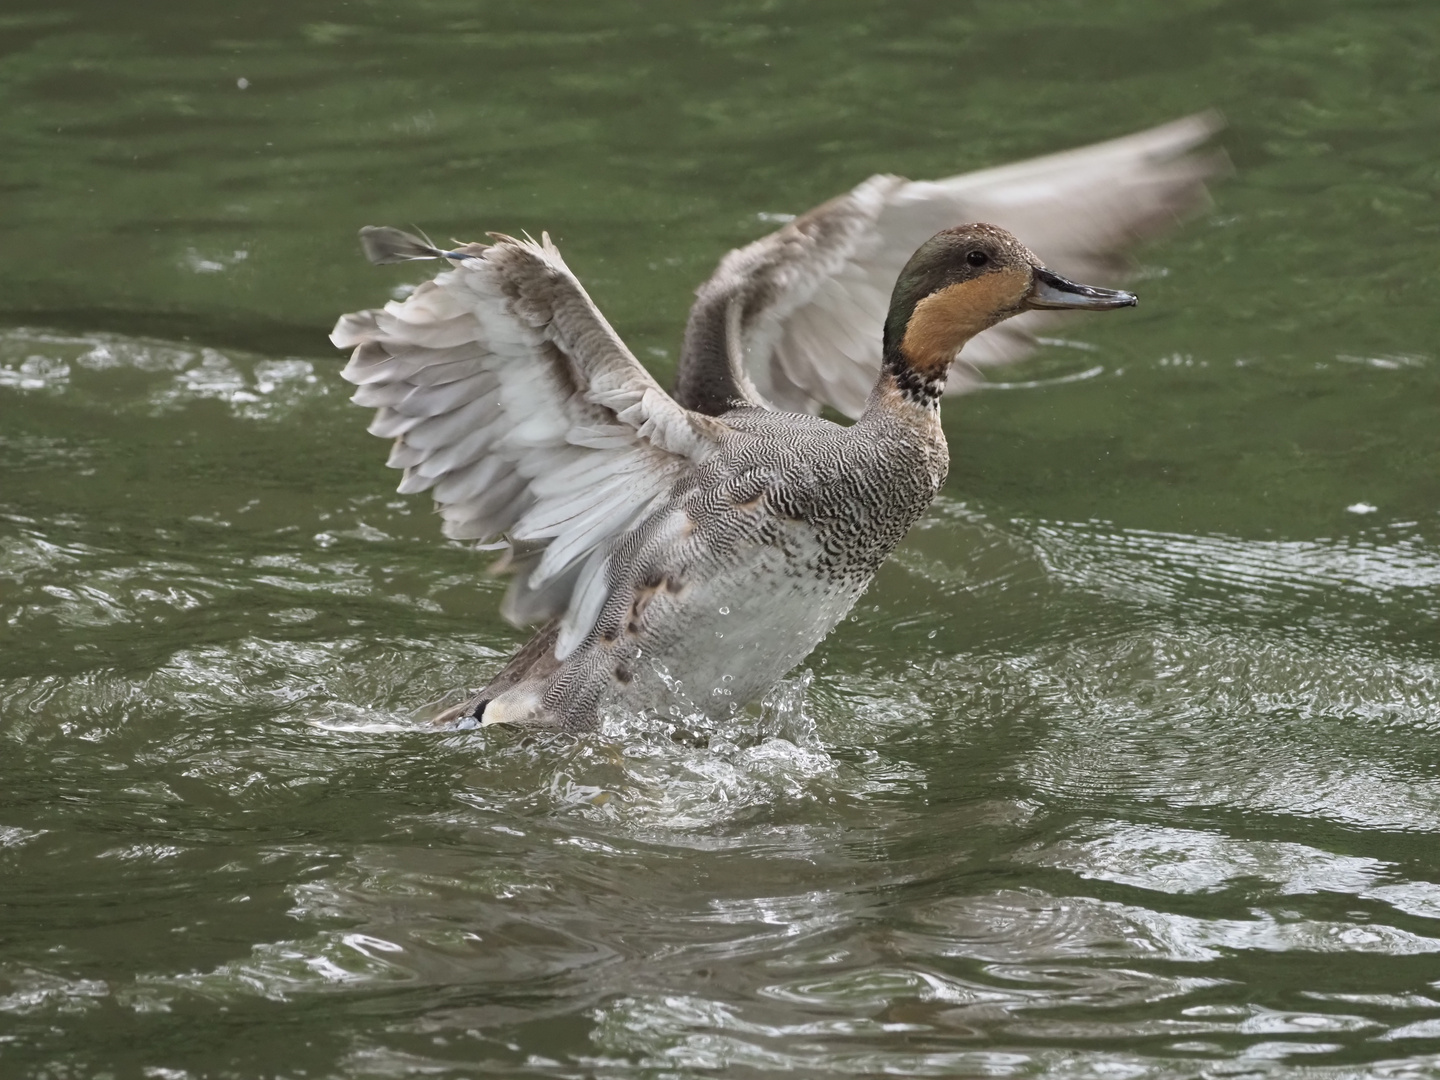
{"x": 800, "y": 312}
{"x": 510, "y": 398}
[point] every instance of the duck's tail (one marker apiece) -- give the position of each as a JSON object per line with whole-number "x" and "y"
{"x": 533, "y": 663}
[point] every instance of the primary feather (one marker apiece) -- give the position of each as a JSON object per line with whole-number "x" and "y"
{"x": 512, "y": 400}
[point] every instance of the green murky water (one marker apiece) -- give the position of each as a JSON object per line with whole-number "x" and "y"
{"x": 1127, "y": 766}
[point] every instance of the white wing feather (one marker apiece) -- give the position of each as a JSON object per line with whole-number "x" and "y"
{"x": 816, "y": 291}
{"x": 512, "y": 400}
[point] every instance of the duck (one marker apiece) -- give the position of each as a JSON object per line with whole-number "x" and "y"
{"x": 694, "y": 547}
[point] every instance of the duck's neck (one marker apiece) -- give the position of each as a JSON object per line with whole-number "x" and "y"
{"x": 902, "y": 419}
{"x": 909, "y": 386}
{"x": 919, "y": 387}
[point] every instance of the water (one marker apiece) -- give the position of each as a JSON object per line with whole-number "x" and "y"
{"x": 1125, "y": 767}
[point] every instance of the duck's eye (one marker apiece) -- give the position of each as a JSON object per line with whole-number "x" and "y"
{"x": 977, "y": 258}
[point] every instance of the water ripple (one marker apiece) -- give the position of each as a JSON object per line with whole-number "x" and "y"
{"x": 1062, "y": 800}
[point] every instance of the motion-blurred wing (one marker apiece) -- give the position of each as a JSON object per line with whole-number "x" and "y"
{"x": 810, "y": 299}
{"x": 510, "y": 398}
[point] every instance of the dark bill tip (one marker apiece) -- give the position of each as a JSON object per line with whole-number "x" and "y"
{"x": 1053, "y": 291}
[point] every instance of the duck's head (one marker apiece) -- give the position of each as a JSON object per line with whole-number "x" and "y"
{"x": 965, "y": 280}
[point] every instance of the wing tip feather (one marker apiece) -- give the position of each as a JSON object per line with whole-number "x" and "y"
{"x": 385, "y": 245}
